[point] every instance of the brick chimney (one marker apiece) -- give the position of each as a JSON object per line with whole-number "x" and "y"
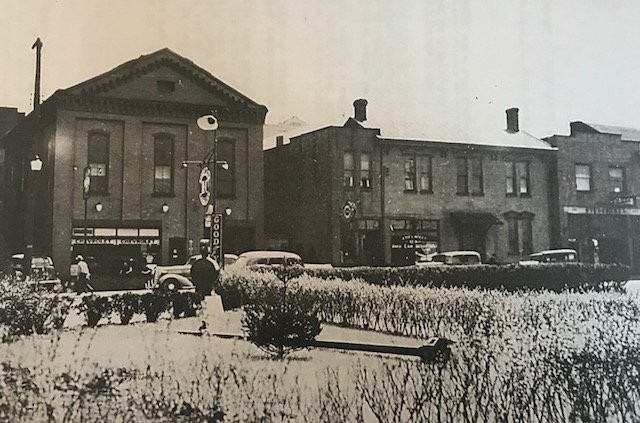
{"x": 279, "y": 141}
{"x": 512, "y": 120}
{"x": 360, "y": 110}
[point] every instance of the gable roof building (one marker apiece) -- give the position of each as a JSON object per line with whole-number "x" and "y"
{"x": 134, "y": 126}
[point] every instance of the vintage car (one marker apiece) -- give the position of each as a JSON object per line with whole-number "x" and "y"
{"x": 451, "y": 258}
{"x": 177, "y": 277}
{"x": 42, "y": 273}
{"x": 268, "y": 258}
{"x": 564, "y": 255}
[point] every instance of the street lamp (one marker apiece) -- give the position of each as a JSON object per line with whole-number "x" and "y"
{"x": 36, "y": 167}
{"x": 86, "y": 185}
{"x": 227, "y": 213}
{"x": 209, "y": 180}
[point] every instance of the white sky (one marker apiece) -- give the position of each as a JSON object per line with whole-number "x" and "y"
{"x": 441, "y": 62}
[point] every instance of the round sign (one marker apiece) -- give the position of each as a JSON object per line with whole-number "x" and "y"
{"x": 349, "y": 210}
{"x": 205, "y": 182}
{"x": 204, "y": 273}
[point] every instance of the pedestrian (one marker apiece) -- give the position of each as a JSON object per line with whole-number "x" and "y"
{"x": 84, "y": 276}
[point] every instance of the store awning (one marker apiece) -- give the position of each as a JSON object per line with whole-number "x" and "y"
{"x": 475, "y": 218}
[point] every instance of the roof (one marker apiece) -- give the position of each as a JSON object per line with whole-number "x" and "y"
{"x": 269, "y": 254}
{"x": 133, "y": 68}
{"x": 627, "y": 134}
{"x": 416, "y": 131}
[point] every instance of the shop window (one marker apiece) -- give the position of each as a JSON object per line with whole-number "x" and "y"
{"x": 163, "y": 165}
{"x": 410, "y": 174}
{"x": 349, "y": 169}
{"x": 98, "y": 160}
{"x": 226, "y": 184}
{"x": 617, "y": 179}
{"x": 365, "y": 170}
{"x": 583, "y": 177}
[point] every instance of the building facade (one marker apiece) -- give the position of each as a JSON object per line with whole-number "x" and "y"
{"x": 351, "y": 194}
{"x": 598, "y": 175}
{"x": 133, "y": 127}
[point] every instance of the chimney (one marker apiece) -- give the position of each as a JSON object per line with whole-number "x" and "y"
{"x": 36, "y": 91}
{"x": 279, "y": 141}
{"x": 512, "y": 120}
{"x": 360, "y": 110}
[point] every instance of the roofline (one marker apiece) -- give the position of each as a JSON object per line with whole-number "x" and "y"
{"x": 149, "y": 57}
{"x": 389, "y": 140}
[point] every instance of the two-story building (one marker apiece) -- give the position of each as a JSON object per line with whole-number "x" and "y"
{"x": 598, "y": 180}
{"x": 362, "y": 193}
{"x": 133, "y": 127}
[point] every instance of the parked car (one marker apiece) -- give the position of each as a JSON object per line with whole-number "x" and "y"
{"x": 268, "y": 258}
{"x": 177, "y": 277}
{"x": 451, "y": 258}
{"x": 564, "y": 255}
{"x": 42, "y": 273}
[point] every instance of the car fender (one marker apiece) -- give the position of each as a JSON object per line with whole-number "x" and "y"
{"x": 184, "y": 281}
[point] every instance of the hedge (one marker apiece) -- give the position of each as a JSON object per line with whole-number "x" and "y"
{"x": 555, "y": 277}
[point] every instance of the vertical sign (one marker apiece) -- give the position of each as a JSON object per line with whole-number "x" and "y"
{"x": 216, "y": 237}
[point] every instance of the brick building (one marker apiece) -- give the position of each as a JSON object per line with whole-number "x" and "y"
{"x": 134, "y": 126}
{"x": 598, "y": 174}
{"x": 362, "y": 193}
{"x": 9, "y": 117}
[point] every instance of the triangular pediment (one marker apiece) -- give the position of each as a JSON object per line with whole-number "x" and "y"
{"x": 163, "y": 76}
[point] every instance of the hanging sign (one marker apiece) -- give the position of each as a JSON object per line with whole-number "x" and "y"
{"x": 205, "y": 183}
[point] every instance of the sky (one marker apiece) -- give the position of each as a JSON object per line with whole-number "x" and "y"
{"x": 444, "y": 63}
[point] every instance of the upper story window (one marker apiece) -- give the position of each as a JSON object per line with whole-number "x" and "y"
{"x": 365, "y": 170}
{"x": 410, "y": 174}
{"x": 617, "y": 181}
{"x": 349, "y": 166}
{"x": 517, "y": 178}
{"x": 226, "y": 151}
{"x": 469, "y": 176}
{"x": 583, "y": 177}
{"x": 425, "y": 174}
{"x": 98, "y": 160}
{"x": 165, "y": 87}
{"x": 417, "y": 174}
{"x": 163, "y": 165}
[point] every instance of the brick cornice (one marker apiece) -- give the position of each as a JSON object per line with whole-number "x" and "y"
{"x": 135, "y": 107}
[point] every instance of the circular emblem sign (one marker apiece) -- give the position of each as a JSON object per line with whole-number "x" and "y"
{"x": 349, "y": 210}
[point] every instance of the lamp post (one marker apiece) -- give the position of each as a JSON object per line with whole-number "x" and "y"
{"x": 208, "y": 176}
{"x": 227, "y": 213}
{"x": 86, "y": 185}
{"x": 36, "y": 167}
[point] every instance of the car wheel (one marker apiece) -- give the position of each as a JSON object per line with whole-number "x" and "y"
{"x": 170, "y": 285}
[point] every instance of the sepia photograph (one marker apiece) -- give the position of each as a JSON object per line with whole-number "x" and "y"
{"x": 301, "y": 211}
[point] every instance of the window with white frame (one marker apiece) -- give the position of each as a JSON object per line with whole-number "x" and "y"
{"x": 365, "y": 170}
{"x": 617, "y": 179}
{"x": 349, "y": 169}
{"x": 583, "y": 177}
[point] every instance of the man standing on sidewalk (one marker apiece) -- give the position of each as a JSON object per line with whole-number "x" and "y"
{"x": 82, "y": 285}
